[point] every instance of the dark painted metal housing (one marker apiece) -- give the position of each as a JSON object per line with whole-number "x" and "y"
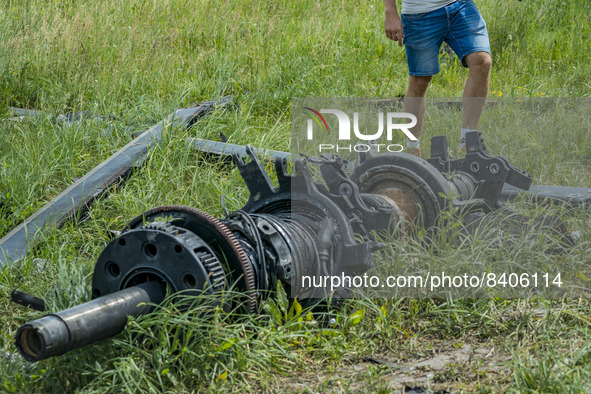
{"x": 573, "y": 195}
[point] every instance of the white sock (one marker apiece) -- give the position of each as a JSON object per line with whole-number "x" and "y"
{"x": 412, "y": 144}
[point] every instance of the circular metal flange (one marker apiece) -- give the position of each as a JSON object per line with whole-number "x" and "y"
{"x": 221, "y": 240}
{"x": 160, "y": 252}
{"x": 414, "y": 185}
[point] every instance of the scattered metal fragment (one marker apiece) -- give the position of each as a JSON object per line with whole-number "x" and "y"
{"x": 40, "y": 264}
{"x": 75, "y": 200}
{"x": 74, "y": 117}
{"x": 24, "y": 299}
{"x": 578, "y": 196}
{"x": 376, "y": 361}
{"x": 224, "y": 149}
{"x": 24, "y": 112}
{"x": 21, "y": 114}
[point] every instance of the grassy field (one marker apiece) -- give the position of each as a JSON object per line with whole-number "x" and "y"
{"x": 138, "y": 60}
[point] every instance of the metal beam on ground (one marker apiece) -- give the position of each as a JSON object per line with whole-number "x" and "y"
{"x": 77, "y": 198}
{"x": 226, "y": 149}
{"x": 571, "y": 195}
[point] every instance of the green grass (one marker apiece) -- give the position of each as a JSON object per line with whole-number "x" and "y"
{"x": 140, "y": 60}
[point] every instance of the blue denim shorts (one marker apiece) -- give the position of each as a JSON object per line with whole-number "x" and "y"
{"x": 459, "y": 24}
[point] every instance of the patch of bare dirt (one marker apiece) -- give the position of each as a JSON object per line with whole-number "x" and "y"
{"x": 446, "y": 367}
{"x": 449, "y": 367}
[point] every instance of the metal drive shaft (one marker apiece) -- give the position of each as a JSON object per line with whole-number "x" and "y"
{"x": 101, "y": 318}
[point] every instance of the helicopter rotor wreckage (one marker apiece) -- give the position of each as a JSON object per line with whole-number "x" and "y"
{"x": 302, "y": 227}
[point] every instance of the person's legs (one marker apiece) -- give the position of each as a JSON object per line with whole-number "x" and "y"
{"x": 468, "y": 37}
{"x": 476, "y": 88}
{"x": 414, "y": 100}
{"x": 423, "y": 35}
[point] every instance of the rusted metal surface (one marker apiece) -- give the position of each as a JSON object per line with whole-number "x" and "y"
{"x": 403, "y": 200}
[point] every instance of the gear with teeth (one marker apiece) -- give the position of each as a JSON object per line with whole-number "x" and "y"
{"x": 214, "y": 269}
{"x": 214, "y": 232}
{"x": 213, "y": 266}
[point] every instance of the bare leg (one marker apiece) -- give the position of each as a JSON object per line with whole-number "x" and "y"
{"x": 476, "y": 88}
{"x": 414, "y": 101}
